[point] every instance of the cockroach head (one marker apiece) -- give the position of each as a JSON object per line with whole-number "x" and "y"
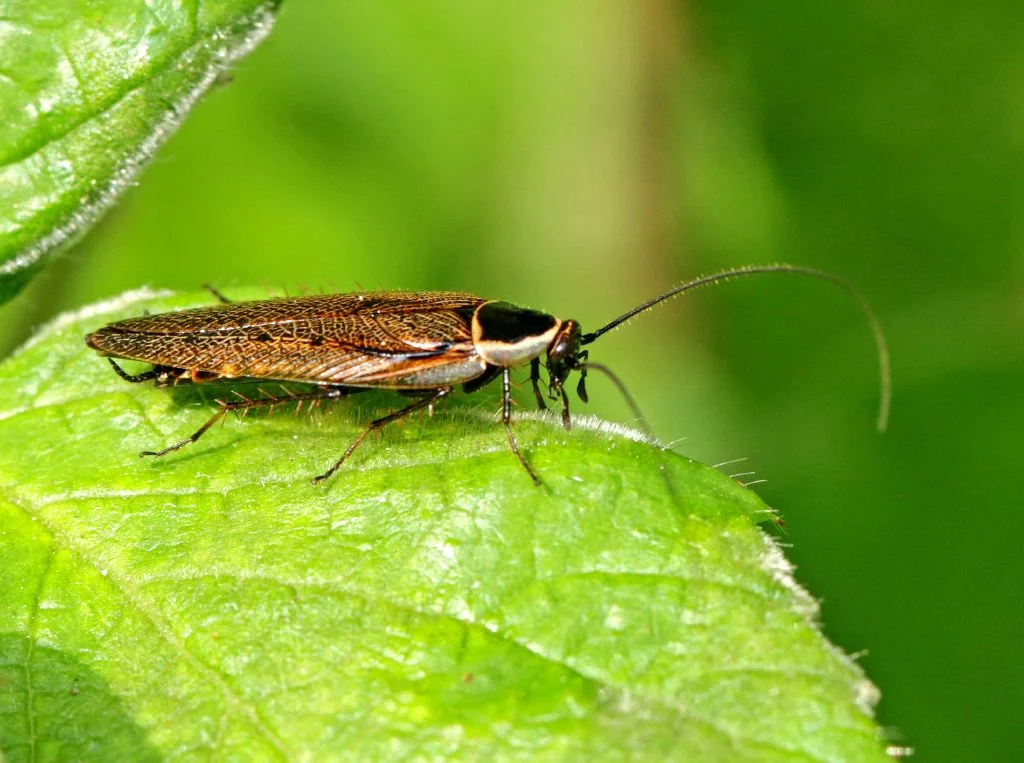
{"x": 565, "y": 354}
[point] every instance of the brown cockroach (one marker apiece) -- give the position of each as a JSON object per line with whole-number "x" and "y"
{"x": 420, "y": 344}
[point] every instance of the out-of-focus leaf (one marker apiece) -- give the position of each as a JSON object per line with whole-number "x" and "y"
{"x": 88, "y": 92}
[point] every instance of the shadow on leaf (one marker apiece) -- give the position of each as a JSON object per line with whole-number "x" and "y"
{"x": 56, "y": 708}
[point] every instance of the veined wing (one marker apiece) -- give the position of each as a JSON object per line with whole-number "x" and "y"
{"x": 373, "y": 338}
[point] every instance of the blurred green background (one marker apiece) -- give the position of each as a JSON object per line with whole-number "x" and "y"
{"x": 580, "y": 157}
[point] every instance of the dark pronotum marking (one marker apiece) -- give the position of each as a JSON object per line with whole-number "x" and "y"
{"x": 507, "y": 323}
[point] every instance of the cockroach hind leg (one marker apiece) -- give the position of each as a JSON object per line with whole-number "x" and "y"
{"x": 244, "y": 404}
{"x": 133, "y": 378}
{"x": 220, "y": 414}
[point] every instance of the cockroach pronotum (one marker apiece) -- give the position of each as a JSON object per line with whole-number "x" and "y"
{"x": 419, "y": 344}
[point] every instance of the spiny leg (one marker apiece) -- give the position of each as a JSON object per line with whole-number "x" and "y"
{"x": 134, "y": 378}
{"x": 220, "y": 297}
{"x": 423, "y": 402}
{"x": 246, "y": 405}
{"x": 535, "y": 381}
{"x": 506, "y": 418}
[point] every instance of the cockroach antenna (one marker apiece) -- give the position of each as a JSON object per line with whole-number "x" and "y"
{"x": 884, "y": 372}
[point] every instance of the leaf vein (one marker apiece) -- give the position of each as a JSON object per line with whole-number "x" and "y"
{"x": 162, "y": 628}
{"x": 621, "y": 693}
{"x": 33, "y": 630}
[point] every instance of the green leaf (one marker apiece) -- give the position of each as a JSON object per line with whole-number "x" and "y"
{"x": 88, "y": 92}
{"x": 427, "y": 601}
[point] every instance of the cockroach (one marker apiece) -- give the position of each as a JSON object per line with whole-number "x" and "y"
{"x": 419, "y": 344}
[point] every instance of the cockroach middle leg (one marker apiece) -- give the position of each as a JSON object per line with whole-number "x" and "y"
{"x": 535, "y": 382}
{"x": 245, "y": 405}
{"x": 506, "y": 419}
{"x": 423, "y": 402}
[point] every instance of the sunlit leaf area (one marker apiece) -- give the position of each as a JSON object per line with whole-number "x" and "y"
{"x": 760, "y": 576}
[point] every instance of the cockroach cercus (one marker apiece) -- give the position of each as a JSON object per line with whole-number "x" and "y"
{"x": 419, "y": 344}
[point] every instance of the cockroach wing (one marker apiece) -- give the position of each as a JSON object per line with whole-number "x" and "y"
{"x": 401, "y": 340}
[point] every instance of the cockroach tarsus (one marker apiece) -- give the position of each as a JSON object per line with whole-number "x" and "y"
{"x": 420, "y": 344}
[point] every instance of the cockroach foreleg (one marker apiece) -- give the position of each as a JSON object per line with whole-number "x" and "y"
{"x": 566, "y": 418}
{"x": 134, "y": 378}
{"x": 220, "y": 297}
{"x": 245, "y": 405}
{"x": 535, "y": 381}
{"x": 506, "y": 419}
{"x": 423, "y": 402}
